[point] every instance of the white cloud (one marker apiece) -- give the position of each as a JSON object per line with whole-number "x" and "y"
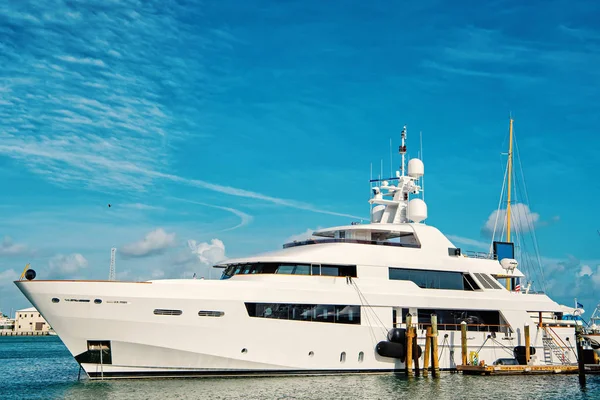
{"x": 208, "y": 253}
{"x": 7, "y": 277}
{"x": 307, "y": 234}
{"x": 66, "y": 266}
{"x": 522, "y": 220}
{"x": 154, "y": 242}
{"x": 585, "y": 270}
{"x": 197, "y": 258}
{"x": 9, "y": 248}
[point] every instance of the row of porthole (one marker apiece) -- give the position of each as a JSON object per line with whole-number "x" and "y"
{"x": 96, "y": 301}
{"x": 361, "y": 355}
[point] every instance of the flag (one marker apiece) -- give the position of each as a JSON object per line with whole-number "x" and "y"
{"x": 579, "y": 305}
{"x": 517, "y": 285}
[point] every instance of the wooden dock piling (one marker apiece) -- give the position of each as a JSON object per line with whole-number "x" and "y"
{"x": 527, "y": 344}
{"x": 409, "y": 345}
{"x": 463, "y": 342}
{"x": 415, "y": 352}
{"x": 428, "y": 343}
{"x": 580, "y": 357}
{"x": 435, "y": 361}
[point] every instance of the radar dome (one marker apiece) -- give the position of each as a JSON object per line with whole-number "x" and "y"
{"x": 417, "y": 209}
{"x": 509, "y": 264}
{"x": 416, "y": 169}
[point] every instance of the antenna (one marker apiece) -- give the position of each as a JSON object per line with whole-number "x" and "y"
{"x": 112, "y": 272}
{"x": 391, "y": 160}
{"x": 423, "y": 177}
{"x": 402, "y": 148}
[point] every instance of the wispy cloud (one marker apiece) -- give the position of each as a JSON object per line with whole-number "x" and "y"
{"x": 478, "y": 244}
{"x": 245, "y": 219}
{"x": 142, "y": 206}
{"x": 9, "y": 248}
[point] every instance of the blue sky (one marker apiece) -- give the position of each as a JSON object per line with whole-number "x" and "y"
{"x": 224, "y": 128}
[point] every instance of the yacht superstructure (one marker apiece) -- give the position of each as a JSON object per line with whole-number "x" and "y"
{"x": 317, "y": 306}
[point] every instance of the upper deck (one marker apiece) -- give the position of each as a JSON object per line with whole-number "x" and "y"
{"x": 409, "y": 245}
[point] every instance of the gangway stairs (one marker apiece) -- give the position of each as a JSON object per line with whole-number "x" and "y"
{"x": 552, "y": 348}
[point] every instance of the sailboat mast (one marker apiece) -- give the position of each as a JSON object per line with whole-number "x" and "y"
{"x": 510, "y": 160}
{"x": 510, "y": 154}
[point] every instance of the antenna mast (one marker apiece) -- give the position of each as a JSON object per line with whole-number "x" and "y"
{"x": 112, "y": 272}
{"x": 402, "y": 149}
{"x": 510, "y": 160}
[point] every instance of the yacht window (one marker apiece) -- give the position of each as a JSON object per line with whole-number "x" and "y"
{"x": 487, "y": 281}
{"x": 210, "y": 313}
{"x": 486, "y": 320}
{"x": 470, "y": 282}
{"x": 332, "y": 313}
{"x": 316, "y": 269}
{"x": 329, "y": 270}
{"x": 428, "y": 279}
{"x": 285, "y": 269}
{"x": 159, "y": 311}
{"x": 292, "y": 269}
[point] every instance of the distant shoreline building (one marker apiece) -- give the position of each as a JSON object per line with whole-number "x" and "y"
{"x": 27, "y": 322}
{"x": 30, "y": 320}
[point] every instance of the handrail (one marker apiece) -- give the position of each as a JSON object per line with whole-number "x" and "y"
{"x": 554, "y": 336}
{"x": 480, "y": 254}
{"x": 480, "y": 327}
{"x": 356, "y": 241}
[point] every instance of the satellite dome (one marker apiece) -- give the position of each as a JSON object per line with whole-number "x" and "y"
{"x": 417, "y": 210}
{"x": 416, "y": 169}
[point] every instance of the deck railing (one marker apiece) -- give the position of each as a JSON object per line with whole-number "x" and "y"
{"x": 502, "y": 328}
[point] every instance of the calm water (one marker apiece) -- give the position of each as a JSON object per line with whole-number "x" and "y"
{"x": 42, "y": 368}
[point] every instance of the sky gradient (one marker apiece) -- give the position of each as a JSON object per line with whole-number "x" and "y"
{"x": 224, "y": 128}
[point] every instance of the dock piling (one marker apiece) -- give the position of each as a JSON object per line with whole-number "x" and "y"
{"x": 527, "y": 344}
{"x": 409, "y": 345}
{"x": 463, "y": 342}
{"x": 580, "y": 357}
{"x": 416, "y": 352}
{"x": 435, "y": 361}
{"x": 428, "y": 341}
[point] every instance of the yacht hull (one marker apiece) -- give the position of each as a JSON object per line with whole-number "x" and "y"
{"x": 111, "y": 330}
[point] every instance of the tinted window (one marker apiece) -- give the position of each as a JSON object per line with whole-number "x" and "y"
{"x": 427, "y": 279}
{"x": 290, "y": 269}
{"x": 333, "y": 313}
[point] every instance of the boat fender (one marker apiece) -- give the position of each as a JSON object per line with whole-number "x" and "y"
{"x": 397, "y": 335}
{"x": 390, "y": 349}
{"x": 30, "y": 274}
{"x": 419, "y": 351}
{"x": 520, "y": 350}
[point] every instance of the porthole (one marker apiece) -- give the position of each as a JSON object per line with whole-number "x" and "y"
{"x": 343, "y": 357}
{"x": 311, "y": 353}
{"x": 244, "y": 350}
{"x": 55, "y": 300}
{"x": 361, "y": 357}
{"x": 97, "y": 301}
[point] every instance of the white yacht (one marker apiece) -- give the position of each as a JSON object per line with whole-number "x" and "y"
{"x": 319, "y": 306}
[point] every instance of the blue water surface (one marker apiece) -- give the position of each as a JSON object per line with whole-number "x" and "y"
{"x": 42, "y": 368}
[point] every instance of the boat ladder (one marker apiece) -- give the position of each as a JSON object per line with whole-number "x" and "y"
{"x": 551, "y": 347}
